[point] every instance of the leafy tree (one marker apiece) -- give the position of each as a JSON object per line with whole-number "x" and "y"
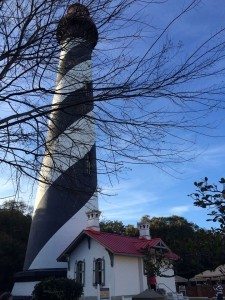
{"x": 19, "y": 206}
{"x": 178, "y": 234}
{"x": 57, "y": 289}
{"x": 155, "y": 263}
{"x": 210, "y": 245}
{"x": 14, "y": 232}
{"x": 118, "y": 227}
{"x": 198, "y": 248}
{"x": 212, "y": 197}
{"x": 130, "y": 230}
{"x": 112, "y": 226}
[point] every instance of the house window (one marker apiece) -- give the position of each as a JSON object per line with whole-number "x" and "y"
{"x": 99, "y": 271}
{"x": 80, "y": 272}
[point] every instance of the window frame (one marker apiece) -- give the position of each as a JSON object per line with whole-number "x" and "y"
{"x": 99, "y": 271}
{"x": 80, "y": 272}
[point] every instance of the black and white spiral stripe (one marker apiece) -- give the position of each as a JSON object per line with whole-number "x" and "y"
{"x": 69, "y": 165}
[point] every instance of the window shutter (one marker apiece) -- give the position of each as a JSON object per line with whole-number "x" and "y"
{"x": 94, "y": 274}
{"x": 83, "y": 270}
{"x": 68, "y": 263}
{"x": 75, "y": 271}
{"x": 103, "y": 271}
{"x": 144, "y": 267}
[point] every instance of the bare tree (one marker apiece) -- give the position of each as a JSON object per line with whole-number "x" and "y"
{"x": 144, "y": 104}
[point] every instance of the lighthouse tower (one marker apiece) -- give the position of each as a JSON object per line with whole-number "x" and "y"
{"x": 68, "y": 181}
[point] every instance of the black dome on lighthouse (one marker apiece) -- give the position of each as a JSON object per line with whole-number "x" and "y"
{"x": 77, "y": 23}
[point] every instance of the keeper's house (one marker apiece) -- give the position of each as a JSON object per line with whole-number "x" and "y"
{"x": 111, "y": 265}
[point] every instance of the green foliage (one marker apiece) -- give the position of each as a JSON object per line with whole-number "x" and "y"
{"x": 198, "y": 248}
{"x": 155, "y": 263}
{"x": 130, "y": 230}
{"x": 112, "y": 226}
{"x": 14, "y": 232}
{"x": 212, "y": 197}
{"x": 118, "y": 227}
{"x": 19, "y": 206}
{"x": 57, "y": 289}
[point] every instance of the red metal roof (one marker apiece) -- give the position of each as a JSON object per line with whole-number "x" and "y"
{"x": 119, "y": 244}
{"x": 125, "y": 245}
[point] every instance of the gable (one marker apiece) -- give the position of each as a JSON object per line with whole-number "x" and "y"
{"x": 89, "y": 247}
{"x": 82, "y": 247}
{"x": 162, "y": 245}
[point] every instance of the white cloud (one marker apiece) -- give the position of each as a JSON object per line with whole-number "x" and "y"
{"x": 179, "y": 210}
{"x": 212, "y": 156}
{"x": 131, "y": 202}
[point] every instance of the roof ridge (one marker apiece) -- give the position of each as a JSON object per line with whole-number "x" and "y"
{"x": 122, "y": 235}
{"x": 146, "y": 240}
{"x": 112, "y": 233}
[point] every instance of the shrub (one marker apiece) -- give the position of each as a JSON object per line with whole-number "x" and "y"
{"x": 57, "y": 289}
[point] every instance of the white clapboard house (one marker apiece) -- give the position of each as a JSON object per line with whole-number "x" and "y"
{"x": 111, "y": 265}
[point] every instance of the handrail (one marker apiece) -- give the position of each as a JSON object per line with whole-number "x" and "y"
{"x": 174, "y": 294}
{"x": 167, "y": 287}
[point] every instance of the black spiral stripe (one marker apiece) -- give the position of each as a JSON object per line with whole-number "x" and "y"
{"x": 74, "y": 187}
{"x": 73, "y": 57}
{"x": 75, "y": 106}
{"x": 66, "y": 196}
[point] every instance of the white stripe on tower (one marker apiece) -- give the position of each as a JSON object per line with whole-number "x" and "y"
{"x": 76, "y": 141}
{"x": 68, "y": 174}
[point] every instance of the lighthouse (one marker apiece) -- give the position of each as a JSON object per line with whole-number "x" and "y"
{"x": 68, "y": 177}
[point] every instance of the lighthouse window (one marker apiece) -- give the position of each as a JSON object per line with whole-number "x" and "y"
{"x": 80, "y": 272}
{"x": 99, "y": 271}
{"x": 88, "y": 164}
{"x": 87, "y": 87}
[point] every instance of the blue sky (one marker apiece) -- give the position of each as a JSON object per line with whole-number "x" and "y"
{"x": 145, "y": 189}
